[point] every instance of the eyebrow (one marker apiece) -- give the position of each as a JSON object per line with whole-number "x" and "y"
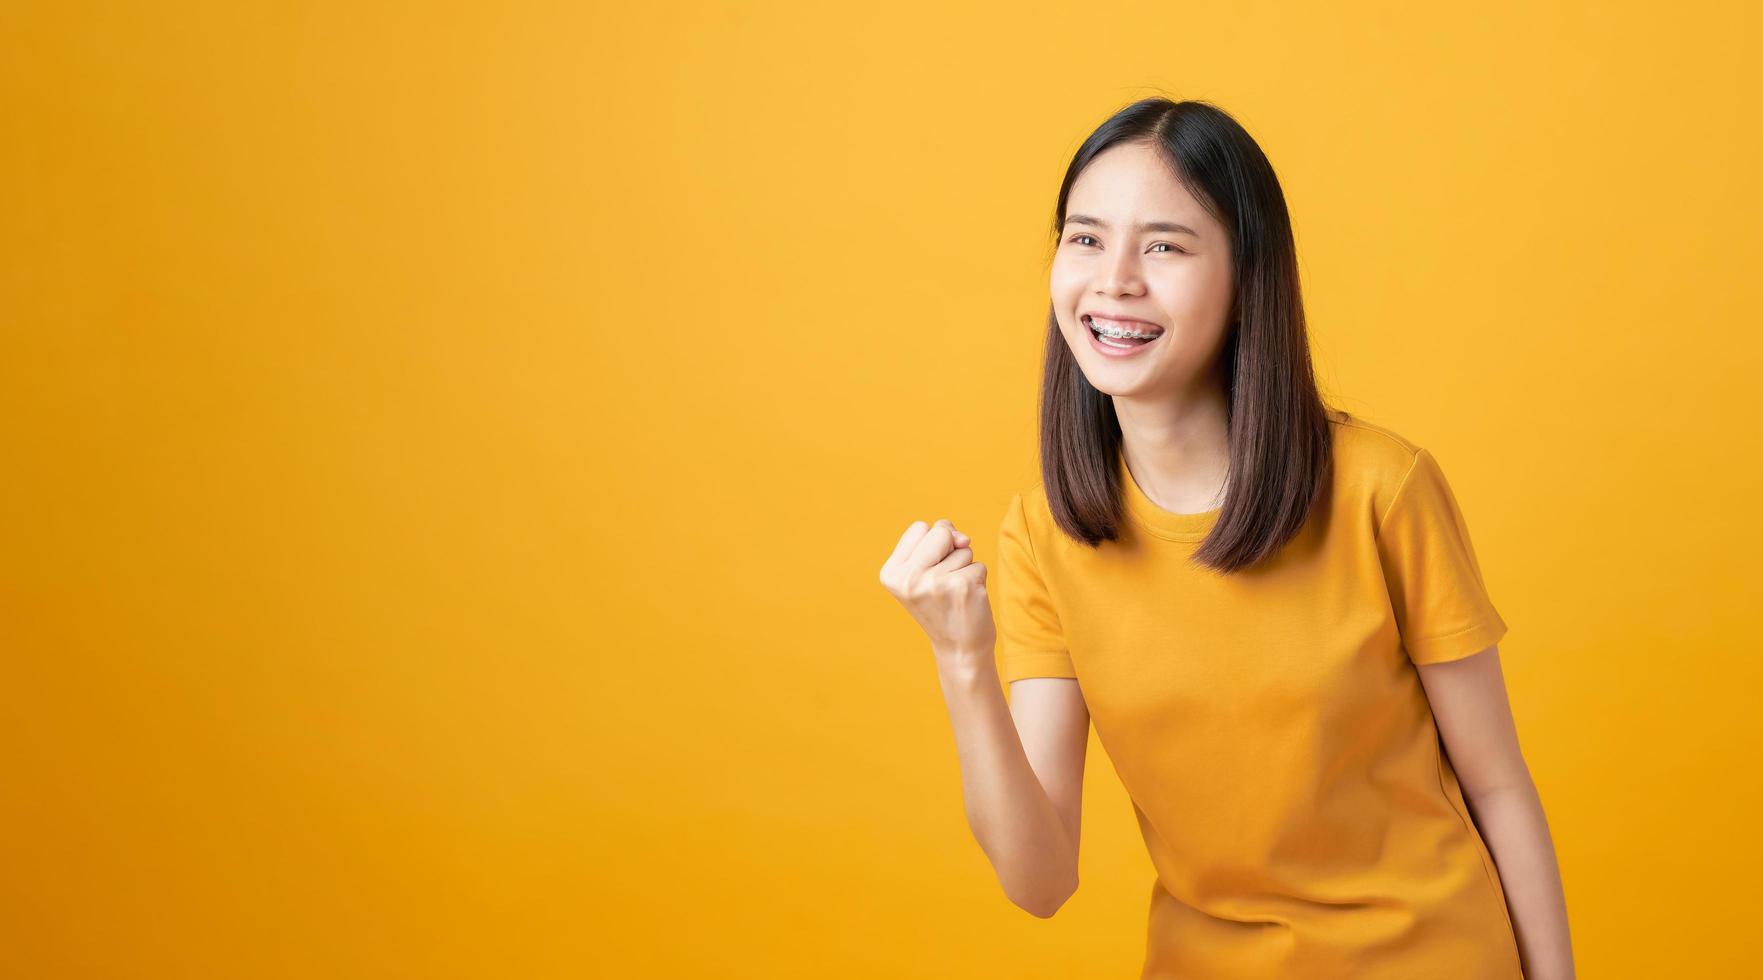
{"x": 1169, "y": 226}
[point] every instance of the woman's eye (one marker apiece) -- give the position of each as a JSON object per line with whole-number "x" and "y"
{"x": 1080, "y": 239}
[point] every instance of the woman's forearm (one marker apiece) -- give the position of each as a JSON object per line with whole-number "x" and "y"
{"x": 1010, "y": 813}
{"x": 1511, "y": 821}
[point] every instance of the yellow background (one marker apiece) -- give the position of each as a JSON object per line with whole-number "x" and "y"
{"x": 450, "y": 451}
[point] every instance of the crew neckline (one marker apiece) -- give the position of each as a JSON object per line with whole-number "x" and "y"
{"x": 1163, "y": 523}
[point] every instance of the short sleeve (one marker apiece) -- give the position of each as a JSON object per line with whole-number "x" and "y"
{"x": 1441, "y": 605}
{"x": 1030, "y": 642}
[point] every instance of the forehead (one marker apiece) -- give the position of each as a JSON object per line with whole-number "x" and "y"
{"x": 1130, "y": 183}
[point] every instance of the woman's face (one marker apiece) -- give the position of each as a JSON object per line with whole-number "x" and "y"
{"x": 1137, "y": 245}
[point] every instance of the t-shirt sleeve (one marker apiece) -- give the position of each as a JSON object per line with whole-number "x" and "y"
{"x": 1441, "y": 604}
{"x": 1030, "y": 642}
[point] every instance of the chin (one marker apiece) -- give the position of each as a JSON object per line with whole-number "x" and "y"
{"x": 1117, "y": 390}
{"x": 1117, "y": 381}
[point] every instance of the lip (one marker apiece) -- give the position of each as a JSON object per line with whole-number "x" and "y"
{"x": 1106, "y": 351}
{"x": 1118, "y": 318}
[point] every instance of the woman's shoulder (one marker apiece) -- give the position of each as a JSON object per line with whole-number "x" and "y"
{"x": 1370, "y": 456}
{"x": 1033, "y": 508}
{"x": 1364, "y": 432}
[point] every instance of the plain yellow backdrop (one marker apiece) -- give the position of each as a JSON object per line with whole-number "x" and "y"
{"x": 450, "y": 449}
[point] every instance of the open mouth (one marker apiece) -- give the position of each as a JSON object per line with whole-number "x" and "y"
{"x": 1121, "y": 336}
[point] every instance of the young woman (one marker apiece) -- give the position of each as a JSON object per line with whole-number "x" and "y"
{"x": 1270, "y": 609}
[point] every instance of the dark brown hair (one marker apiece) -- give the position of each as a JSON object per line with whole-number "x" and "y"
{"x": 1280, "y": 452}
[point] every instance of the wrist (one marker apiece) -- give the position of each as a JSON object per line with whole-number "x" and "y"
{"x": 965, "y": 664}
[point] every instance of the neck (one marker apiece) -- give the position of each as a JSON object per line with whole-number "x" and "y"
{"x": 1178, "y": 449}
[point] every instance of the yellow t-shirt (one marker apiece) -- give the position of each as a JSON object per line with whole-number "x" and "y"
{"x": 1269, "y": 726}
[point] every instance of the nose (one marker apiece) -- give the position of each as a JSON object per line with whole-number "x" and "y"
{"x": 1119, "y": 275}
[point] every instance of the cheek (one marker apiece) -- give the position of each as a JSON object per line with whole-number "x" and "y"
{"x": 1215, "y": 285}
{"x": 1066, "y": 280}
{"x": 1065, "y": 290}
{"x": 1196, "y": 290}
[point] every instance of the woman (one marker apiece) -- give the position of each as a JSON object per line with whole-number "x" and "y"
{"x": 1270, "y": 609}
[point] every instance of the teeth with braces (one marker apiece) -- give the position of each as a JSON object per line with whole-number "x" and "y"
{"x": 1108, "y": 331}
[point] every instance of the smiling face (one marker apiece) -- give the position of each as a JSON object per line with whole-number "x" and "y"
{"x": 1139, "y": 247}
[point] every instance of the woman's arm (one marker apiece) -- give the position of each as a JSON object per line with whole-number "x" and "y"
{"x": 1021, "y": 775}
{"x": 1022, "y": 763}
{"x": 1475, "y": 722}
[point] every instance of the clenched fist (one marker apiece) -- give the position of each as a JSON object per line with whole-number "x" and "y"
{"x": 933, "y": 574}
